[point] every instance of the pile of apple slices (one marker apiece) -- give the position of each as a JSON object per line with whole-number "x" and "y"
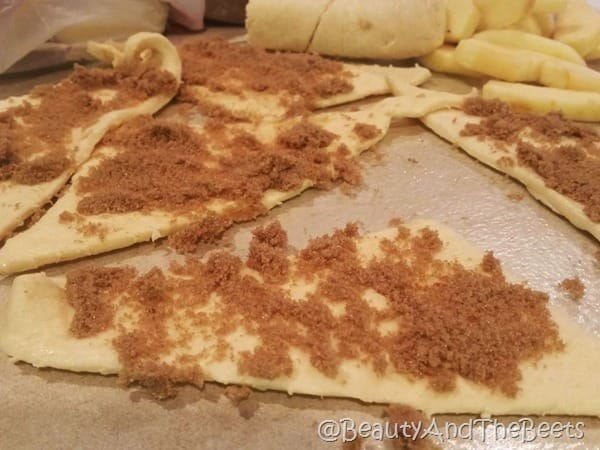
{"x": 542, "y": 42}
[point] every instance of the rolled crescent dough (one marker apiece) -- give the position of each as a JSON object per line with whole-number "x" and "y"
{"x": 269, "y": 25}
{"x": 378, "y": 29}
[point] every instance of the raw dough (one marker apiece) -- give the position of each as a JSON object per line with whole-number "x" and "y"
{"x": 367, "y": 80}
{"x": 379, "y": 29}
{"x": 34, "y": 326}
{"x": 50, "y": 241}
{"x": 18, "y": 201}
{"x": 448, "y": 124}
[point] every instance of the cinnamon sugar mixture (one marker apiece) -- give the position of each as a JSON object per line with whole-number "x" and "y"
{"x": 233, "y": 68}
{"x": 162, "y": 165}
{"x": 410, "y": 439}
{"x": 36, "y": 148}
{"x": 574, "y": 288}
{"x": 447, "y": 321}
{"x": 566, "y": 155}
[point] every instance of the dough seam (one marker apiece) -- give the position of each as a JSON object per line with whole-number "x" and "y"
{"x": 314, "y": 31}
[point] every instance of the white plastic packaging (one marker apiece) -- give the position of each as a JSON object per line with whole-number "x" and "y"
{"x": 27, "y": 24}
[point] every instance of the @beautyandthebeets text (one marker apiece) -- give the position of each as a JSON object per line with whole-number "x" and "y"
{"x": 523, "y": 431}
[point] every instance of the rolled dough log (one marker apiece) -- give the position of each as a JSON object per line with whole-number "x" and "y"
{"x": 378, "y": 29}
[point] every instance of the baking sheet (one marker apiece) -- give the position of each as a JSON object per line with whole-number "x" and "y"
{"x": 412, "y": 174}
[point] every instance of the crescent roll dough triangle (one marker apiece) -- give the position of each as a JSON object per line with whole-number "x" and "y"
{"x": 231, "y": 341}
{"x": 257, "y": 85}
{"x": 502, "y": 156}
{"x": 53, "y": 239}
{"x": 146, "y": 75}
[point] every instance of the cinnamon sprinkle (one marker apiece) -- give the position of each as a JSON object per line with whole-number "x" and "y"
{"x": 565, "y": 154}
{"x": 574, "y": 288}
{"x": 206, "y": 231}
{"x": 366, "y": 131}
{"x": 233, "y": 68}
{"x": 451, "y": 321}
{"x": 166, "y": 166}
{"x": 268, "y": 252}
{"x": 89, "y": 292}
{"x": 36, "y": 148}
{"x": 237, "y": 394}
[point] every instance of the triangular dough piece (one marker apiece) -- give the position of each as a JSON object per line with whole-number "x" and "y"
{"x": 220, "y": 334}
{"x": 255, "y": 85}
{"x": 502, "y": 156}
{"x": 52, "y": 239}
{"x": 367, "y": 81}
{"x": 22, "y": 196}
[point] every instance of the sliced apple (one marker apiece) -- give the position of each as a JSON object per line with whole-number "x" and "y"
{"x": 565, "y": 75}
{"x": 546, "y": 22}
{"x": 528, "y": 24}
{"x": 462, "y": 19}
{"x": 579, "y": 26}
{"x": 582, "y": 106}
{"x": 497, "y": 61}
{"x": 526, "y": 41}
{"x": 443, "y": 60}
{"x": 502, "y": 13}
{"x": 549, "y": 6}
{"x": 594, "y": 54}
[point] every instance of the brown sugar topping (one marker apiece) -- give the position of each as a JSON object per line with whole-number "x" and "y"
{"x": 36, "y": 148}
{"x": 89, "y": 292}
{"x": 206, "y": 231}
{"x": 306, "y": 135}
{"x": 171, "y": 167}
{"x": 366, "y": 131}
{"x": 221, "y": 66}
{"x": 565, "y": 154}
{"x": 237, "y": 394}
{"x": 449, "y": 321}
{"x": 574, "y": 288}
{"x": 268, "y": 252}
{"x": 410, "y": 425}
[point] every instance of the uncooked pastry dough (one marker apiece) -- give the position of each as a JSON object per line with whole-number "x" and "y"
{"x": 378, "y": 29}
{"x": 449, "y": 124}
{"x": 366, "y": 80}
{"x": 17, "y": 201}
{"x": 34, "y": 327}
{"x": 49, "y": 240}
{"x": 269, "y": 25}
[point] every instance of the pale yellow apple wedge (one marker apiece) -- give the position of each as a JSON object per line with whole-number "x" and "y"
{"x": 549, "y": 6}
{"x": 527, "y": 24}
{"x": 501, "y": 14}
{"x": 547, "y": 23}
{"x": 443, "y": 60}
{"x": 525, "y": 41}
{"x": 579, "y": 26}
{"x": 582, "y": 106}
{"x": 498, "y": 61}
{"x": 462, "y": 19}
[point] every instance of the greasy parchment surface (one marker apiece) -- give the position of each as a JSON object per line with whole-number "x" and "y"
{"x": 413, "y": 175}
